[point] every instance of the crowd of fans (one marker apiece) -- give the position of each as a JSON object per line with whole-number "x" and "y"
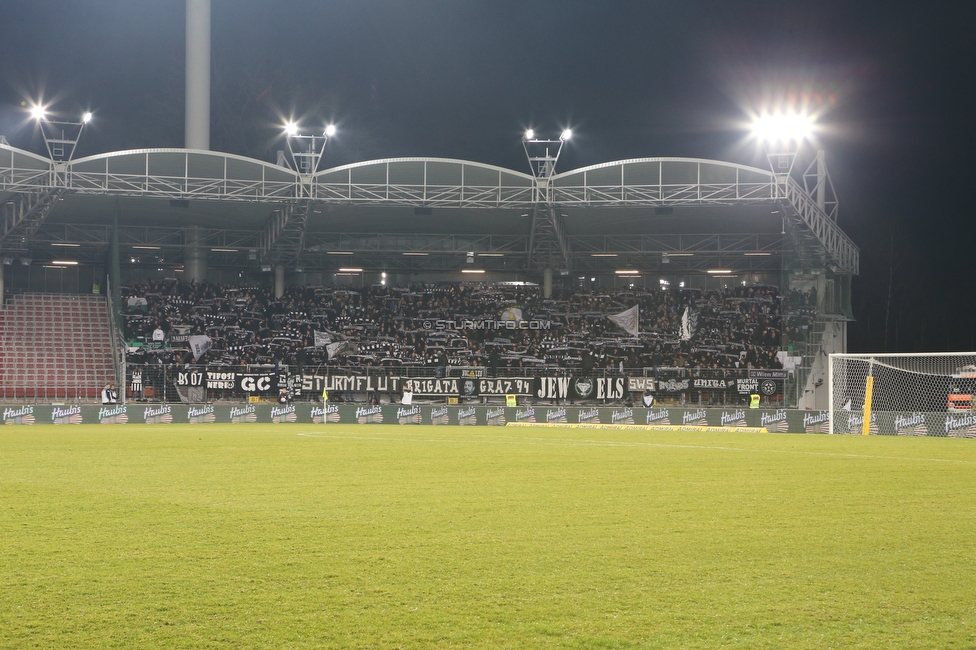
{"x": 423, "y": 326}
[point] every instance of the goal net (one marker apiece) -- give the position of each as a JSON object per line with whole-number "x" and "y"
{"x": 927, "y": 394}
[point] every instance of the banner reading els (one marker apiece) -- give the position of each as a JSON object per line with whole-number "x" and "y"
{"x": 579, "y": 388}
{"x": 255, "y": 383}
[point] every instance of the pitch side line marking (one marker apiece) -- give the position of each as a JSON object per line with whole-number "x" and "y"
{"x": 620, "y": 443}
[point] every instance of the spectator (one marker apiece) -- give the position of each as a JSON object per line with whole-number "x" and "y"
{"x": 109, "y": 394}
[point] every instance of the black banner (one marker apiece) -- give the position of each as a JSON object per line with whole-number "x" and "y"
{"x": 226, "y": 380}
{"x": 747, "y": 386}
{"x": 581, "y": 388}
{"x": 250, "y": 382}
{"x": 221, "y": 380}
{"x": 460, "y": 386}
{"x": 673, "y": 385}
{"x": 641, "y": 384}
{"x": 713, "y": 384}
{"x": 768, "y": 374}
{"x": 194, "y": 378}
{"x": 469, "y": 387}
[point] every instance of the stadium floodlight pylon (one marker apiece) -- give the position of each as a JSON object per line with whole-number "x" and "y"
{"x": 903, "y": 394}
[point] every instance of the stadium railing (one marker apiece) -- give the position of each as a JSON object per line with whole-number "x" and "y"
{"x": 178, "y": 383}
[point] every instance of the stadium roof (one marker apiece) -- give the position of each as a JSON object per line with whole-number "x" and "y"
{"x": 414, "y": 214}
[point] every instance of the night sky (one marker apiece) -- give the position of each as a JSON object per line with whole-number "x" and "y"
{"x": 891, "y": 84}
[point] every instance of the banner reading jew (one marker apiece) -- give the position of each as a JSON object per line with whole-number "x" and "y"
{"x": 581, "y": 388}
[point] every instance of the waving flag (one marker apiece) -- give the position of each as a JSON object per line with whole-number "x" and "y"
{"x": 628, "y": 320}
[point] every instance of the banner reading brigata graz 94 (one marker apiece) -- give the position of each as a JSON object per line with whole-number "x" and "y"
{"x": 395, "y": 385}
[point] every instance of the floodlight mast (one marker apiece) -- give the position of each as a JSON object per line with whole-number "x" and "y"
{"x": 781, "y": 136}
{"x": 542, "y": 153}
{"x": 306, "y": 154}
{"x": 60, "y": 136}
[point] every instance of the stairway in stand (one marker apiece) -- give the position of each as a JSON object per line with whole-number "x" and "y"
{"x": 55, "y": 346}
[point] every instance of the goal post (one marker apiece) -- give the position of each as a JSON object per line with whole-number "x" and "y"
{"x": 930, "y": 394}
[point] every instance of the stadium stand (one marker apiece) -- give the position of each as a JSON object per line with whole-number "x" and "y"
{"x": 55, "y": 346}
{"x": 411, "y": 328}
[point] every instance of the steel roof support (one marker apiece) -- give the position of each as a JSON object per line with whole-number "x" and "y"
{"x": 548, "y": 239}
{"x": 23, "y": 214}
{"x": 283, "y": 239}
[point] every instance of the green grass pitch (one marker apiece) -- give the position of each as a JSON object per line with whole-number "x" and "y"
{"x": 311, "y": 536}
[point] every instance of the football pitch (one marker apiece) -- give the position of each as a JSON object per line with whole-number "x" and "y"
{"x": 376, "y": 536}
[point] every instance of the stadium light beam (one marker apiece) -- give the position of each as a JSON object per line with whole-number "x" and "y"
{"x": 782, "y": 135}
{"x": 780, "y": 128}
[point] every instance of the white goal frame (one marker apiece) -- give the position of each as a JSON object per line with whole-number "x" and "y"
{"x": 948, "y": 366}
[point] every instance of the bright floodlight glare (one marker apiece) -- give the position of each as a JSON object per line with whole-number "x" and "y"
{"x": 566, "y": 134}
{"x": 291, "y": 128}
{"x": 529, "y": 134}
{"x": 37, "y": 112}
{"x": 86, "y": 117}
{"x": 330, "y": 130}
{"x": 783, "y": 127}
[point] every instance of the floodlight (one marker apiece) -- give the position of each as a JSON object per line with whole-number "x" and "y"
{"x": 37, "y": 112}
{"x": 529, "y": 134}
{"x": 783, "y": 127}
{"x": 330, "y": 130}
{"x": 566, "y": 134}
{"x": 86, "y": 117}
{"x": 291, "y": 128}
